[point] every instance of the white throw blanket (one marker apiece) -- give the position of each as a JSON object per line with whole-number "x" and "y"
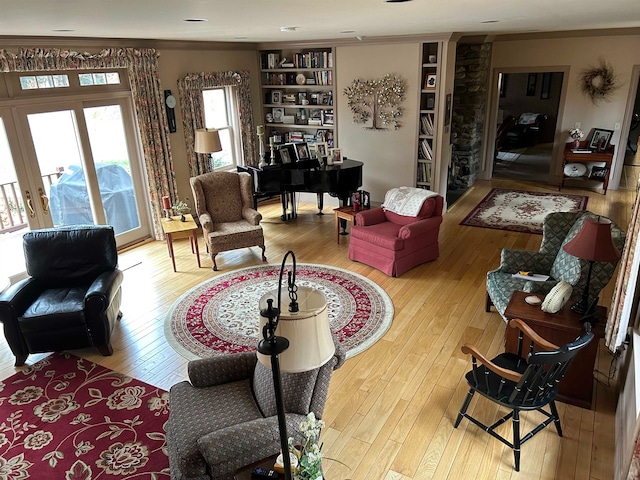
{"x": 406, "y": 201}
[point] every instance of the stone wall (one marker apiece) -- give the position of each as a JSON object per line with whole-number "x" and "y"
{"x": 469, "y": 111}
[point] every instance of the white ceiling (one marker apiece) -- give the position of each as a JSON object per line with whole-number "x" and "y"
{"x": 260, "y": 20}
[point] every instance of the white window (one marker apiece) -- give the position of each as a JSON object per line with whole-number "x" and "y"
{"x": 221, "y": 113}
{"x": 34, "y": 82}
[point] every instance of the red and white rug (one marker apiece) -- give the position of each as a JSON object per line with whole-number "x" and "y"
{"x": 520, "y": 211}
{"x": 221, "y": 315}
{"x": 67, "y": 418}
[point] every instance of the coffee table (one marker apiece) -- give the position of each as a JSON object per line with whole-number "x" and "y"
{"x": 576, "y": 388}
{"x": 175, "y": 229}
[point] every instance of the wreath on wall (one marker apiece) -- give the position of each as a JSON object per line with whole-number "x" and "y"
{"x": 598, "y": 83}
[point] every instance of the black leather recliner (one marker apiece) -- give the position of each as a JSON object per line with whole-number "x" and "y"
{"x": 71, "y": 299}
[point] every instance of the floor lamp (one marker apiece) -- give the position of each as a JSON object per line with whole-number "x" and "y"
{"x": 303, "y": 341}
{"x": 208, "y": 141}
{"x": 593, "y": 243}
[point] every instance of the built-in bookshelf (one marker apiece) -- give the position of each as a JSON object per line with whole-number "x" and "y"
{"x": 298, "y": 91}
{"x": 427, "y": 121}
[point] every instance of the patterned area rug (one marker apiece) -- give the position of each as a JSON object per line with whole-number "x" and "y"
{"x": 520, "y": 211}
{"x": 221, "y": 315}
{"x": 65, "y": 417}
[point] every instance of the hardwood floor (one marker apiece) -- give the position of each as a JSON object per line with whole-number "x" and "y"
{"x": 391, "y": 409}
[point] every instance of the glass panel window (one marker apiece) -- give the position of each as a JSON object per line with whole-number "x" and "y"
{"x": 28, "y": 83}
{"x": 60, "y": 80}
{"x": 108, "y": 78}
{"x": 45, "y": 81}
{"x": 220, "y": 113}
{"x": 85, "y": 79}
{"x": 99, "y": 79}
{"x": 31, "y": 82}
{"x": 113, "y": 78}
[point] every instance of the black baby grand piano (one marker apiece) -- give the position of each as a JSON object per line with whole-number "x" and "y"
{"x": 339, "y": 181}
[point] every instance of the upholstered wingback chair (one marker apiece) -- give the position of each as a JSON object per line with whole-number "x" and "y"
{"x": 224, "y": 205}
{"x": 395, "y": 243}
{"x": 225, "y": 417}
{"x": 552, "y": 260}
{"x": 72, "y": 296}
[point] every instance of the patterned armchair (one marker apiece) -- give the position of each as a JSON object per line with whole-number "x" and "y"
{"x": 552, "y": 260}
{"x": 226, "y": 417}
{"x": 224, "y": 205}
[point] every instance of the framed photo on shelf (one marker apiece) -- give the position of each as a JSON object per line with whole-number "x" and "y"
{"x": 598, "y": 173}
{"x": 278, "y": 114}
{"x": 337, "y": 155}
{"x": 600, "y": 135}
{"x": 430, "y": 81}
{"x": 287, "y": 153}
{"x": 302, "y": 151}
{"x": 313, "y": 154}
{"x": 276, "y": 96}
{"x": 322, "y": 150}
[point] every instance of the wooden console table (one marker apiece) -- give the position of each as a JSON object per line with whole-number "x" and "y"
{"x": 586, "y": 180}
{"x": 563, "y": 327}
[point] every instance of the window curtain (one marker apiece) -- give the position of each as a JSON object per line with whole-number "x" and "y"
{"x": 624, "y": 303}
{"x": 190, "y": 90}
{"x": 148, "y": 98}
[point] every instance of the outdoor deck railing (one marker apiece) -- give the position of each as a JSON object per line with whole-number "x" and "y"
{"x": 12, "y": 212}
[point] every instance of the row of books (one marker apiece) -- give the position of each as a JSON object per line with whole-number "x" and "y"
{"x": 425, "y": 151}
{"x": 424, "y": 172}
{"x": 322, "y": 77}
{"x": 295, "y": 136}
{"x": 270, "y": 60}
{"x": 426, "y": 124}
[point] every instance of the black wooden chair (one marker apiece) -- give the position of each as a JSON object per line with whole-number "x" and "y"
{"x": 521, "y": 383}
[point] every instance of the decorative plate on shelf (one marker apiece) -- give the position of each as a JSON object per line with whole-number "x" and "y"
{"x": 575, "y": 169}
{"x": 301, "y": 79}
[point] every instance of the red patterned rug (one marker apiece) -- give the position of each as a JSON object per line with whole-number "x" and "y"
{"x": 520, "y": 211}
{"x": 67, "y": 418}
{"x": 221, "y": 315}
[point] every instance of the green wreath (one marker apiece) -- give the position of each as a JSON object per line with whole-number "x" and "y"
{"x": 598, "y": 83}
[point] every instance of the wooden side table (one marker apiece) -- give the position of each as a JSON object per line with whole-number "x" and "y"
{"x": 576, "y": 388}
{"x": 176, "y": 229}
{"x": 588, "y": 159}
{"x": 245, "y": 472}
{"x": 348, "y": 215}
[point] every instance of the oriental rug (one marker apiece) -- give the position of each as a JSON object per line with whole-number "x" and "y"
{"x": 65, "y": 417}
{"x": 221, "y": 315}
{"x": 520, "y": 211}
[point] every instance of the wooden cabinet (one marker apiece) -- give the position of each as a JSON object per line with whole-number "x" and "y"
{"x": 586, "y": 170}
{"x": 576, "y": 388}
{"x": 428, "y": 127}
{"x": 298, "y": 91}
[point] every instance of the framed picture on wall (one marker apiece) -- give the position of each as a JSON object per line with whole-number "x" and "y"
{"x": 532, "y": 79}
{"x": 546, "y": 86}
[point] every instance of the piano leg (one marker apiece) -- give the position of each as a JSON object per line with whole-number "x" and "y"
{"x": 320, "y": 196}
{"x": 286, "y": 198}
{"x": 284, "y": 201}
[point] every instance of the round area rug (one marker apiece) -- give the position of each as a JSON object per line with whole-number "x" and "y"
{"x": 221, "y": 315}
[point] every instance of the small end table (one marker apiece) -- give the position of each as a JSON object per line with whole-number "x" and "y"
{"x": 576, "y": 388}
{"x": 245, "y": 472}
{"x": 175, "y": 229}
{"x": 346, "y": 214}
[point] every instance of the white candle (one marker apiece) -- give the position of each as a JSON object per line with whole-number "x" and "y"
{"x": 271, "y": 142}
{"x": 260, "y": 129}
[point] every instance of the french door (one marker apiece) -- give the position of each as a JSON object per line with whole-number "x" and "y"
{"x": 73, "y": 162}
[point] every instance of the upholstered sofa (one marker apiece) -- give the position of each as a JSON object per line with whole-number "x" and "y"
{"x": 225, "y": 417}
{"x": 558, "y": 229}
{"x": 395, "y": 243}
{"x": 72, "y": 296}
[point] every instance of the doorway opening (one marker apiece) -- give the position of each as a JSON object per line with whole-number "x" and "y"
{"x": 526, "y": 125}
{"x": 631, "y": 167}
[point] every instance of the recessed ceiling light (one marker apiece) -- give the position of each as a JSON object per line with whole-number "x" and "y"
{"x": 396, "y": 1}
{"x": 63, "y": 30}
{"x": 288, "y": 29}
{"x": 195, "y": 20}
{"x": 240, "y": 38}
{"x": 347, "y": 31}
{"x": 491, "y": 21}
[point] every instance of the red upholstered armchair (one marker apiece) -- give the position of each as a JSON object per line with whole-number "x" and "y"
{"x": 395, "y": 243}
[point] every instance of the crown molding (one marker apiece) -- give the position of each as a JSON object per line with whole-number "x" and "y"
{"x": 605, "y": 32}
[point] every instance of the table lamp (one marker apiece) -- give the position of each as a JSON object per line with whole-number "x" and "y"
{"x": 208, "y": 141}
{"x": 593, "y": 243}
{"x": 303, "y": 341}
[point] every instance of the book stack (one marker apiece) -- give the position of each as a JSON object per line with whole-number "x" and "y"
{"x": 426, "y": 124}
{"x": 425, "y": 150}
{"x": 424, "y": 172}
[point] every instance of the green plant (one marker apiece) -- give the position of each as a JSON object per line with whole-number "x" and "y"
{"x": 181, "y": 207}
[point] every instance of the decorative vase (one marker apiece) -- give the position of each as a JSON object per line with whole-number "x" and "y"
{"x": 183, "y": 218}
{"x": 576, "y": 143}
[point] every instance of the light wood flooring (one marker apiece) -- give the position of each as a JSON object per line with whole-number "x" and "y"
{"x": 391, "y": 409}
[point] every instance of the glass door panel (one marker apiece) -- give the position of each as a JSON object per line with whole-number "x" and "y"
{"x": 59, "y": 156}
{"x": 113, "y": 167}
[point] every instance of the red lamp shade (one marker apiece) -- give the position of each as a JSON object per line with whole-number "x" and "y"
{"x": 166, "y": 203}
{"x": 593, "y": 242}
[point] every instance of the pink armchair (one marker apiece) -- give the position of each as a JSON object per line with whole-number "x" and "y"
{"x": 395, "y": 243}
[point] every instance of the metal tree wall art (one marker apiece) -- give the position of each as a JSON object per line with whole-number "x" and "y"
{"x": 377, "y": 101}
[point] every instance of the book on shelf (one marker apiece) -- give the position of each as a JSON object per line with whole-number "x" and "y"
{"x": 425, "y": 151}
{"x": 426, "y": 124}
{"x": 424, "y": 172}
